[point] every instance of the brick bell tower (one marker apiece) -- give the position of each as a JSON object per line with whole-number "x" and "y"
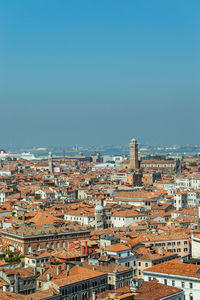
{"x": 133, "y": 154}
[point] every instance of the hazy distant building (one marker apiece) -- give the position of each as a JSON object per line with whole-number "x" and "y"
{"x": 96, "y": 158}
{"x": 105, "y": 166}
{"x": 158, "y": 165}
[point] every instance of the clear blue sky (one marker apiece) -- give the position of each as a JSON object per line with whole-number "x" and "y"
{"x": 99, "y": 72}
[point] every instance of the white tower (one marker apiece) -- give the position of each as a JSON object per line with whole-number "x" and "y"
{"x": 50, "y": 163}
{"x": 99, "y": 217}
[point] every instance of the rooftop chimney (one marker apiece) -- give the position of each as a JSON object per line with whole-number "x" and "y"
{"x": 67, "y": 266}
{"x": 93, "y": 296}
{"x": 48, "y": 276}
{"x": 58, "y": 270}
{"x": 133, "y": 285}
{"x": 4, "y": 288}
{"x": 82, "y": 250}
{"x": 86, "y": 248}
{"x": 34, "y": 271}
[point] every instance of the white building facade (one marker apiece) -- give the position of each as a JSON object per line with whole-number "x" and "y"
{"x": 190, "y": 284}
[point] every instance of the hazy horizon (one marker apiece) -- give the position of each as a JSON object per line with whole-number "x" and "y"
{"x": 104, "y": 147}
{"x": 99, "y": 72}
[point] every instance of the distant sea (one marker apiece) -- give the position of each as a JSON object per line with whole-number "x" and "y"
{"x": 86, "y": 153}
{"x": 113, "y": 152}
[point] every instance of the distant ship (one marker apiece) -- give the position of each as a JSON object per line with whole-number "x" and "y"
{"x": 3, "y": 154}
{"x": 24, "y": 155}
{"x": 27, "y": 155}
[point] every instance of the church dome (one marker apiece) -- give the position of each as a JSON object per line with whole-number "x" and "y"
{"x": 98, "y": 207}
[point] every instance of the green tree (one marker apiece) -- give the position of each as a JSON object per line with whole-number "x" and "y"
{"x": 193, "y": 164}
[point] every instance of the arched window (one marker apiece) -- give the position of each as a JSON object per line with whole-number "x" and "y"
{"x": 58, "y": 245}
